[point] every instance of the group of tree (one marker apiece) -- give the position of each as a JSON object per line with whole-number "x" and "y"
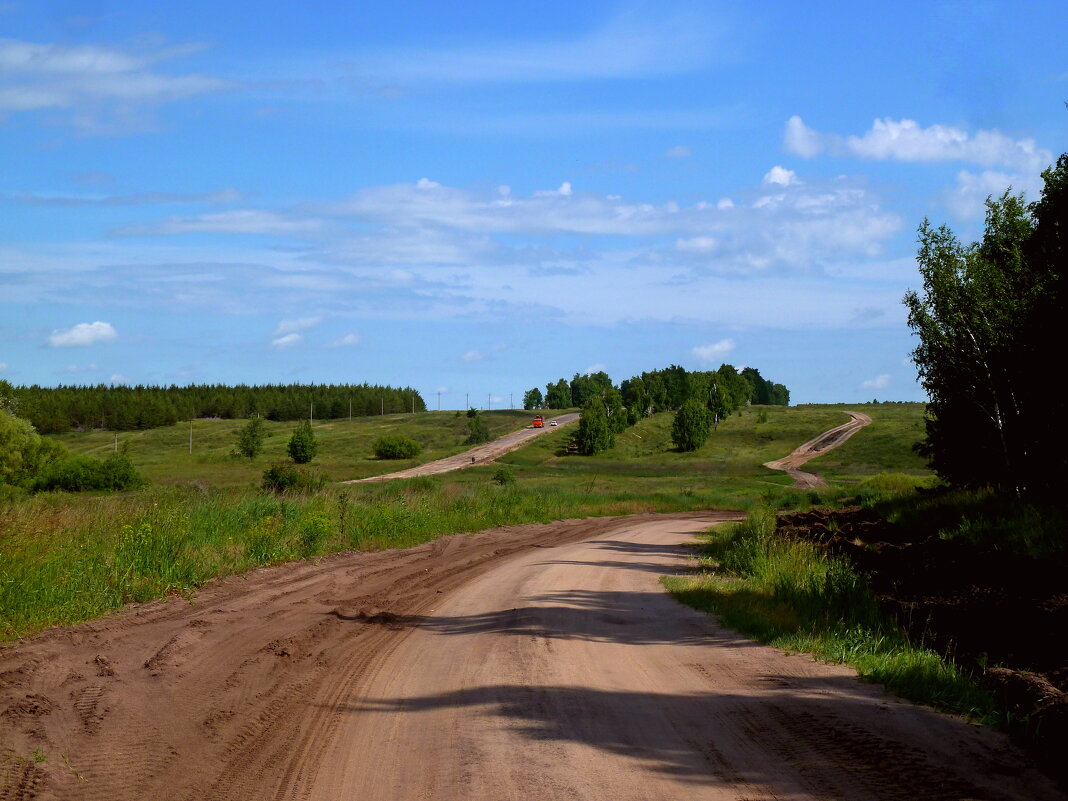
{"x": 54, "y": 410}
{"x": 990, "y": 319}
{"x": 32, "y": 463}
{"x": 607, "y": 410}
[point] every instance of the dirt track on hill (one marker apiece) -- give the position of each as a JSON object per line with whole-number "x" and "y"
{"x": 481, "y": 454}
{"x": 816, "y": 447}
{"x": 537, "y": 662}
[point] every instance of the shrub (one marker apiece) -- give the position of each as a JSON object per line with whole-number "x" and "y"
{"x": 503, "y": 477}
{"x": 286, "y": 477}
{"x": 479, "y": 431}
{"x": 302, "y": 445}
{"x": 82, "y": 473}
{"x": 396, "y": 447}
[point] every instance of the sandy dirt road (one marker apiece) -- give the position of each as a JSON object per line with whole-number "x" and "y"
{"x": 481, "y": 454}
{"x": 539, "y": 662}
{"x": 816, "y": 446}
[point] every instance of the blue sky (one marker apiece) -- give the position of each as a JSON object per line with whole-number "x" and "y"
{"x": 478, "y": 198}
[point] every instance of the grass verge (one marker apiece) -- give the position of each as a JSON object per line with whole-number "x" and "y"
{"x": 791, "y": 596}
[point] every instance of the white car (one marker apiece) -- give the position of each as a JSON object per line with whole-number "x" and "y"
{"x": 552, "y": 422}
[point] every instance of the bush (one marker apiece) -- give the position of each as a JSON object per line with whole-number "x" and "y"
{"x": 503, "y": 477}
{"x": 477, "y": 426}
{"x": 396, "y": 447}
{"x": 24, "y": 453}
{"x": 82, "y": 473}
{"x": 302, "y": 445}
{"x": 286, "y": 477}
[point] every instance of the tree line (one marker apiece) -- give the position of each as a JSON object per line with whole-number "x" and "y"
{"x": 990, "y": 320}
{"x": 56, "y": 410}
{"x": 708, "y": 397}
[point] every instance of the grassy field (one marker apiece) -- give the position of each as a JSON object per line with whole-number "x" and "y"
{"x": 66, "y": 558}
{"x": 163, "y": 455}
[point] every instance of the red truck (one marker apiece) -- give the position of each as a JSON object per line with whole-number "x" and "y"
{"x": 539, "y": 422}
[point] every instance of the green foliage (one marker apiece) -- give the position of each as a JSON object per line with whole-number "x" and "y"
{"x": 250, "y": 438}
{"x": 532, "y": 399}
{"x": 83, "y": 473}
{"x": 594, "y": 432}
{"x": 988, "y": 320}
{"x": 558, "y": 395}
{"x": 396, "y": 447}
{"x": 792, "y": 596}
{"x": 478, "y": 430}
{"x": 503, "y": 477}
{"x": 56, "y": 410}
{"x": 287, "y": 477}
{"x": 23, "y": 452}
{"x": 692, "y": 425}
{"x": 302, "y": 445}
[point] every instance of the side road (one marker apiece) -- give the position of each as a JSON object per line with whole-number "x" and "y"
{"x": 477, "y": 455}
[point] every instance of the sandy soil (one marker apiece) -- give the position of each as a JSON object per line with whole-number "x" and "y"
{"x": 482, "y": 454}
{"x": 538, "y": 662}
{"x": 816, "y": 446}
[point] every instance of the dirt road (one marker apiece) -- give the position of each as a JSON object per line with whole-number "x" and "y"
{"x": 478, "y": 455}
{"x": 540, "y": 662}
{"x": 816, "y": 446}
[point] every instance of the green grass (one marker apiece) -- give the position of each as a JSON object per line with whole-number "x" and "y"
{"x": 794, "y": 597}
{"x": 345, "y": 447}
{"x": 66, "y": 558}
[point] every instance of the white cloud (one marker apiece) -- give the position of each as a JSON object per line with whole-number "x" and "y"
{"x": 631, "y": 45}
{"x": 83, "y": 334}
{"x": 780, "y": 176}
{"x": 286, "y": 341}
{"x": 239, "y": 221}
{"x": 227, "y": 195}
{"x": 715, "y": 351}
{"x": 905, "y": 140}
{"x": 697, "y": 244}
{"x": 480, "y": 355}
{"x": 879, "y": 382}
{"x": 118, "y": 378}
{"x": 679, "y": 152}
{"x": 724, "y": 203}
{"x": 3, "y": 366}
{"x": 36, "y": 76}
{"x": 595, "y": 368}
{"x": 298, "y": 324}
{"x": 348, "y": 339}
{"x": 967, "y": 199}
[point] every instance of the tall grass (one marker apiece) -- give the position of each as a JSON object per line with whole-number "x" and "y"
{"x": 791, "y": 595}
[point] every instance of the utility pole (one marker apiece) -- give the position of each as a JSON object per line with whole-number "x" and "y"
{"x": 489, "y": 401}
{"x": 467, "y": 401}
{"x": 510, "y": 404}
{"x": 439, "y": 400}
{"x": 311, "y": 412}
{"x": 190, "y": 436}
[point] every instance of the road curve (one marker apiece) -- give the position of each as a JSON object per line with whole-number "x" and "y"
{"x": 537, "y": 662}
{"x": 816, "y": 446}
{"x": 480, "y": 454}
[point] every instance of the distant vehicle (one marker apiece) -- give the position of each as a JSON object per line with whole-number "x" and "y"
{"x": 539, "y": 421}
{"x": 552, "y": 422}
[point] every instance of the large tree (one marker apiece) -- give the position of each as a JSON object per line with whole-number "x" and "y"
{"x": 990, "y": 322}
{"x": 532, "y": 399}
{"x": 692, "y": 425}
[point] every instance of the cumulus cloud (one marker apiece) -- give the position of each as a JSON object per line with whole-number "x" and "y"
{"x": 348, "y": 339}
{"x": 227, "y": 195}
{"x": 679, "y": 152}
{"x": 286, "y": 341}
{"x": 83, "y": 334}
{"x": 879, "y": 382}
{"x": 3, "y": 366}
{"x": 906, "y": 140}
{"x": 780, "y": 176}
{"x": 480, "y": 355}
{"x": 714, "y": 351}
{"x": 239, "y": 221}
